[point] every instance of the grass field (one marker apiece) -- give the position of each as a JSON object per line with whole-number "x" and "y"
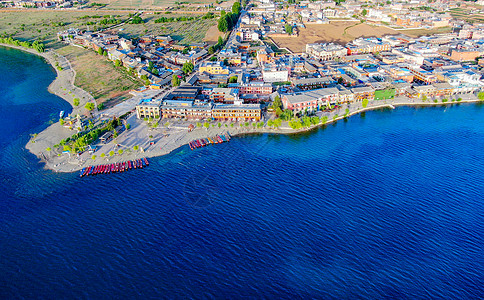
{"x": 98, "y": 76}
{"x": 44, "y": 24}
{"x": 154, "y": 4}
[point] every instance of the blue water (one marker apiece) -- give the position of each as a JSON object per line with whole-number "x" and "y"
{"x": 383, "y": 205}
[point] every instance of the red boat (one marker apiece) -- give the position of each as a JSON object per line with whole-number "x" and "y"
{"x": 146, "y": 161}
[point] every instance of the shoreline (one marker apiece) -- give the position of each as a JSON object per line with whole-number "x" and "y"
{"x": 179, "y": 137}
{"x": 162, "y": 140}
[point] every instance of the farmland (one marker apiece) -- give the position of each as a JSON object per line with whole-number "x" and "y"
{"x": 342, "y": 32}
{"x": 150, "y": 4}
{"x": 470, "y": 15}
{"x": 96, "y": 74}
{"x": 185, "y": 32}
{"x": 44, "y": 25}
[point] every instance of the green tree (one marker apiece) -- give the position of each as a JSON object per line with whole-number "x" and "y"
{"x": 480, "y": 96}
{"x": 236, "y": 8}
{"x": 295, "y": 123}
{"x": 199, "y": 125}
{"x": 276, "y": 103}
{"x": 89, "y": 106}
{"x": 288, "y": 28}
{"x": 137, "y": 20}
{"x": 175, "y": 81}
{"x": 223, "y": 25}
{"x": 135, "y": 148}
{"x": 211, "y": 50}
{"x": 364, "y": 103}
{"x": 103, "y": 155}
{"x": 233, "y": 79}
{"x": 111, "y": 153}
{"x": 100, "y": 51}
{"x": 206, "y": 125}
{"x": 93, "y": 157}
{"x": 120, "y": 151}
{"x": 48, "y": 149}
{"x": 100, "y": 106}
{"x": 364, "y": 12}
{"x": 324, "y": 119}
{"x": 306, "y": 121}
{"x": 347, "y": 112}
{"x": 62, "y": 122}
{"x": 219, "y": 125}
{"x": 118, "y": 63}
{"x": 314, "y": 120}
{"x": 188, "y": 67}
{"x": 76, "y": 101}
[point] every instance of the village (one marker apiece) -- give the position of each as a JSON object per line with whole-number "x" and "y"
{"x": 249, "y": 82}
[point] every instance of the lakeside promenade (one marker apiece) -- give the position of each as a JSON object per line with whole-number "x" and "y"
{"x": 166, "y": 138}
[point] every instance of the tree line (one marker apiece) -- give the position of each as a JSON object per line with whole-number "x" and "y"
{"x": 227, "y": 21}
{"x": 39, "y": 46}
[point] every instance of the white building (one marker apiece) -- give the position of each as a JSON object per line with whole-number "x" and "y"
{"x": 326, "y": 51}
{"x": 274, "y": 75}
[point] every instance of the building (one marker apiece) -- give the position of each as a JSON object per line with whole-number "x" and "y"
{"x": 224, "y": 95}
{"x": 148, "y": 108}
{"x": 423, "y": 75}
{"x": 326, "y": 51}
{"x": 367, "y": 45}
{"x": 275, "y": 75}
{"x": 186, "y": 109}
{"x": 239, "y": 113}
{"x": 312, "y": 83}
{"x": 213, "y": 68}
{"x": 364, "y": 92}
{"x": 311, "y": 101}
{"x": 257, "y": 87}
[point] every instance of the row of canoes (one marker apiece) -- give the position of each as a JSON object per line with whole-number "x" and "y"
{"x": 218, "y": 139}
{"x": 115, "y": 167}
